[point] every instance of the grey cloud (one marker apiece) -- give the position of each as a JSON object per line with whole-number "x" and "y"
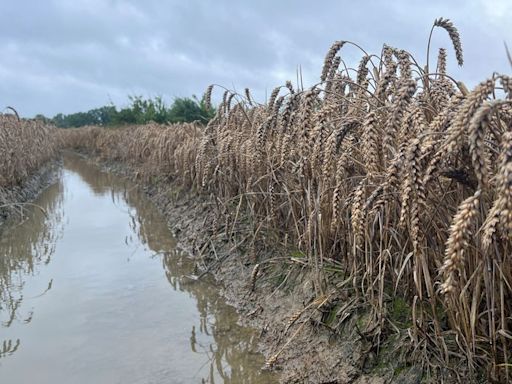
{"x": 67, "y": 56}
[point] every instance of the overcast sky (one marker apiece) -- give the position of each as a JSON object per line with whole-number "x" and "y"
{"x": 74, "y": 55}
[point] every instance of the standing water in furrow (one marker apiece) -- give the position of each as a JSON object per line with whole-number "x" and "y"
{"x": 92, "y": 290}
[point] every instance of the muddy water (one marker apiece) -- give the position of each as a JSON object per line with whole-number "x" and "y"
{"x": 92, "y": 290}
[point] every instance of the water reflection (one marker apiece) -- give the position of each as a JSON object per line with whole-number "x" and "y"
{"x": 209, "y": 345}
{"x": 26, "y": 244}
{"x": 145, "y": 221}
{"x": 233, "y": 346}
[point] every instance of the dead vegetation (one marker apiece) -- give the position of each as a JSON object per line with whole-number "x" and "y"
{"x": 25, "y": 147}
{"x": 396, "y": 174}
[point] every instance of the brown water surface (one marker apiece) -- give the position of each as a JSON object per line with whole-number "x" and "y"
{"x": 92, "y": 290}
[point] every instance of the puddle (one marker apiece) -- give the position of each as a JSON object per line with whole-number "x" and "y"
{"x": 92, "y": 291}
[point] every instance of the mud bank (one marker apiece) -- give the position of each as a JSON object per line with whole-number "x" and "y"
{"x": 276, "y": 298}
{"x": 13, "y": 200}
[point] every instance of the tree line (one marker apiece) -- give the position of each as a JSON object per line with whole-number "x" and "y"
{"x": 139, "y": 111}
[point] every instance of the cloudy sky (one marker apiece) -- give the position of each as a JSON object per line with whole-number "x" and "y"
{"x": 74, "y": 55}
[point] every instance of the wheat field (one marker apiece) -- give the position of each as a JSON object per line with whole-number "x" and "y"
{"x": 392, "y": 170}
{"x": 25, "y": 147}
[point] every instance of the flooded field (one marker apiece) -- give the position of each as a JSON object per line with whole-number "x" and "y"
{"x": 92, "y": 290}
